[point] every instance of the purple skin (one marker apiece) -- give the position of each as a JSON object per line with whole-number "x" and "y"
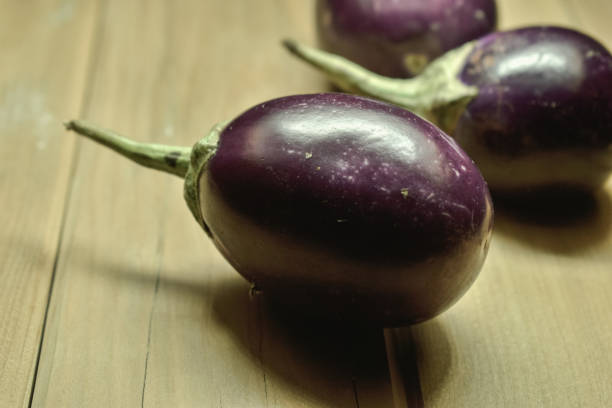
{"x": 334, "y": 205}
{"x": 398, "y": 38}
{"x": 531, "y": 106}
{"x": 543, "y": 113}
{"x": 347, "y": 207}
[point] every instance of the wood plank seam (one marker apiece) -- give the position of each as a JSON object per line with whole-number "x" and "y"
{"x": 96, "y": 36}
{"x": 260, "y": 344}
{"x": 355, "y": 392}
{"x": 403, "y": 369}
{"x": 159, "y": 254}
{"x": 155, "y": 293}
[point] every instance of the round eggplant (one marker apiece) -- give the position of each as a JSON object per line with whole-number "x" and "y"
{"x": 398, "y": 38}
{"x": 335, "y": 205}
{"x": 532, "y": 106}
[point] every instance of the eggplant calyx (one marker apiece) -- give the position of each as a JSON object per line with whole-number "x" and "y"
{"x": 171, "y": 159}
{"x": 437, "y": 94}
{"x": 185, "y": 162}
{"x": 201, "y": 153}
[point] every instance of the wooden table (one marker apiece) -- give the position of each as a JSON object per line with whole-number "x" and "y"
{"x": 112, "y": 296}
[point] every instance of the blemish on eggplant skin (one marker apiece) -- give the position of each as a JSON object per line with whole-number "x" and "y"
{"x": 591, "y": 54}
{"x": 254, "y": 290}
{"x": 172, "y": 158}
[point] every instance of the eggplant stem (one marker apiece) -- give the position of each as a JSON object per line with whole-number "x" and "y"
{"x": 348, "y": 75}
{"x": 171, "y": 159}
{"x": 437, "y": 94}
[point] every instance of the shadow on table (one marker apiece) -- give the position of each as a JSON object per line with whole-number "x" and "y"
{"x": 328, "y": 361}
{"x": 318, "y": 361}
{"x": 424, "y": 356}
{"x": 555, "y": 221}
{"x": 311, "y": 360}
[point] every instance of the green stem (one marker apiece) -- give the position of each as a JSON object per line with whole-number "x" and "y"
{"x": 171, "y": 159}
{"x": 352, "y": 77}
{"x": 436, "y": 94}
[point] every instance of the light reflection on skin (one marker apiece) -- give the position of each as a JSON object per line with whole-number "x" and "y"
{"x": 386, "y": 141}
{"x": 377, "y": 131}
{"x": 550, "y": 60}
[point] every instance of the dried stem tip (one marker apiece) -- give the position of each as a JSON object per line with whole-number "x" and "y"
{"x": 171, "y": 159}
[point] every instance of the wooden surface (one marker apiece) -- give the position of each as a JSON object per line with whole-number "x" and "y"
{"x": 111, "y": 294}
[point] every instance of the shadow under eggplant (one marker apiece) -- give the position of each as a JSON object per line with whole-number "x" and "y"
{"x": 424, "y": 357}
{"x": 559, "y": 221}
{"x": 320, "y": 360}
{"x": 333, "y": 362}
{"x": 325, "y": 360}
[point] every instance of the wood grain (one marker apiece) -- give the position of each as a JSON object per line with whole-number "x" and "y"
{"x": 520, "y": 13}
{"x": 536, "y": 328}
{"x": 45, "y": 49}
{"x": 525, "y": 335}
{"x": 144, "y": 310}
{"x": 592, "y": 17}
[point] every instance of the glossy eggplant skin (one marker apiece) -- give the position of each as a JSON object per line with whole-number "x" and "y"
{"x": 349, "y": 207}
{"x": 543, "y": 114}
{"x": 398, "y": 38}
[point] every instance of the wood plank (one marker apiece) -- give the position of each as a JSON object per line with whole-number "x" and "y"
{"x": 145, "y": 311}
{"x": 519, "y": 13}
{"x": 536, "y": 328}
{"x": 45, "y": 47}
{"x": 594, "y": 19}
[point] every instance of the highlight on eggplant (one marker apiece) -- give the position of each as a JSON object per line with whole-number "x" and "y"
{"x": 398, "y": 38}
{"x": 531, "y": 106}
{"x": 334, "y": 205}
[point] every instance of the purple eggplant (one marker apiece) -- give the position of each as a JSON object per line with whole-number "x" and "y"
{"x": 335, "y": 205}
{"x": 398, "y": 38}
{"x": 532, "y": 106}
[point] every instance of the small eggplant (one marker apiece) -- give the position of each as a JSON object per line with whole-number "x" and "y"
{"x": 532, "y": 106}
{"x": 398, "y": 38}
{"x": 334, "y": 204}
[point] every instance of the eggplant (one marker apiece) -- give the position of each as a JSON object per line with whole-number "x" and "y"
{"x": 398, "y": 38}
{"x": 334, "y": 205}
{"x": 531, "y": 106}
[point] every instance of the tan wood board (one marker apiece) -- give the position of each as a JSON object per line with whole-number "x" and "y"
{"x": 592, "y": 17}
{"x": 536, "y": 328}
{"x": 45, "y": 48}
{"x": 144, "y": 310}
{"x": 522, "y": 13}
